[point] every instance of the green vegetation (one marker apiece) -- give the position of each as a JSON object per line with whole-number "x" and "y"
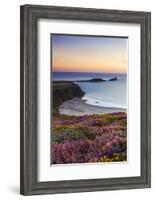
{"x": 63, "y": 91}
{"x": 89, "y": 138}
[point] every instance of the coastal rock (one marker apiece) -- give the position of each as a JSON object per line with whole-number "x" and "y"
{"x": 63, "y": 91}
{"x": 113, "y": 79}
{"x": 94, "y": 80}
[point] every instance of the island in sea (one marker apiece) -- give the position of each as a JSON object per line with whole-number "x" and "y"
{"x": 84, "y": 130}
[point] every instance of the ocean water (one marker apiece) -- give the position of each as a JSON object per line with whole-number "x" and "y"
{"x": 104, "y": 94}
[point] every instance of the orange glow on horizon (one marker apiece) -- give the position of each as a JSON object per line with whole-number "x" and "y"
{"x": 88, "y": 64}
{"x": 95, "y": 57}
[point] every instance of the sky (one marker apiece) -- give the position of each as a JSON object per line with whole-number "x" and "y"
{"x": 72, "y": 53}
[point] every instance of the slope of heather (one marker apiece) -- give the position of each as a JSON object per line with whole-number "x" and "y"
{"x": 89, "y": 138}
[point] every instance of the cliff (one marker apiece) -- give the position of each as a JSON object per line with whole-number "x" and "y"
{"x": 63, "y": 91}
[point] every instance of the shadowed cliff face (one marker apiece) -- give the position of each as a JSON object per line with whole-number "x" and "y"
{"x": 63, "y": 91}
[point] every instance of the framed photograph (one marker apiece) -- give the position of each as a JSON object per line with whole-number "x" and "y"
{"x": 85, "y": 99}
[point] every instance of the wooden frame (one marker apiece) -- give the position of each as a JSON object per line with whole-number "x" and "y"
{"x": 28, "y": 82}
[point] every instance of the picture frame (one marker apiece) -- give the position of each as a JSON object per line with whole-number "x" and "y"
{"x": 29, "y": 16}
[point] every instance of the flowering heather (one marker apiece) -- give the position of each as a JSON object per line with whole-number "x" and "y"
{"x": 89, "y": 138}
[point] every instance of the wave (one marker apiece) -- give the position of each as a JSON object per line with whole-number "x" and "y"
{"x": 105, "y": 94}
{"x": 97, "y": 102}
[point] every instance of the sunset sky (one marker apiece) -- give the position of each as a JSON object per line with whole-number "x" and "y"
{"x": 89, "y": 54}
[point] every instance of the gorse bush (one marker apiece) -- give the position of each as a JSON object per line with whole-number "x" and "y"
{"x": 93, "y": 138}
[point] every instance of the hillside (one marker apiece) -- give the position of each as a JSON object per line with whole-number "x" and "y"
{"x": 63, "y": 91}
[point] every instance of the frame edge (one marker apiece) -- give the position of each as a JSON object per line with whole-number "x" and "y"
{"x": 26, "y": 186}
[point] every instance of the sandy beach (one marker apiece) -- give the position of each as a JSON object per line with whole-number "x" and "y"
{"x": 78, "y": 107}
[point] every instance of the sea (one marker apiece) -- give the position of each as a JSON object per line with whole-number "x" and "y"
{"x": 104, "y": 94}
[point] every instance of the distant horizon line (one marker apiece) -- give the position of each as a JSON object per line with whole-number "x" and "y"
{"x": 90, "y": 72}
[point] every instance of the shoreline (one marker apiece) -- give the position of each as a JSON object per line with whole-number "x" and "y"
{"x": 63, "y": 91}
{"x": 79, "y": 107}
